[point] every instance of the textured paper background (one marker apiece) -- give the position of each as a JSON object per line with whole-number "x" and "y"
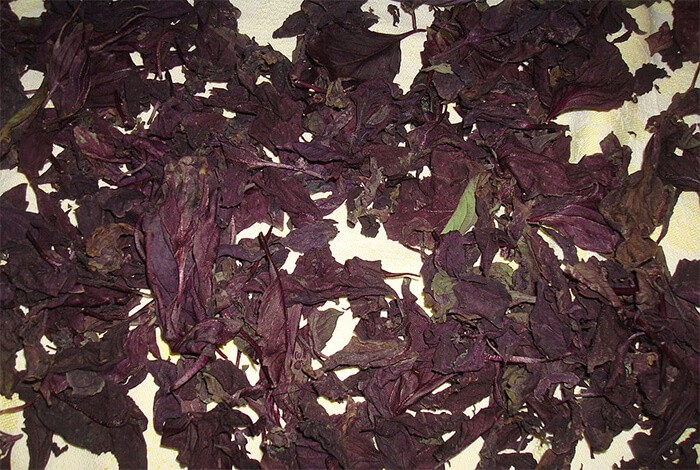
{"x": 258, "y": 19}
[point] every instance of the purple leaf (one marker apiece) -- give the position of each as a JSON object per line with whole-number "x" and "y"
{"x": 357, "y": 54}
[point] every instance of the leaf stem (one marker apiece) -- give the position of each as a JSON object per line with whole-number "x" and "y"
{"x": 17, "y": 408}
{"x": 308, "y": 86}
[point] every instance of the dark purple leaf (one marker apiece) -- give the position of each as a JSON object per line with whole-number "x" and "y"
{"x": 68, "y": 78}
{"x": 685, "y": 280}
{"x": 358, "y": 54}
{"x": 567, "y": 348}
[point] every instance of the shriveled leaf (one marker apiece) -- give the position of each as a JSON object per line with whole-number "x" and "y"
{"x": 358, "y": 54}
{"x": 464, "y": 216}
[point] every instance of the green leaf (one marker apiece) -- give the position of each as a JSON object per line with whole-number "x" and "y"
{"x": 502, "y": 272}
{"x": 441, "y": 284}
{"x": 439, "y": 68}
{"x": 464, "y": 216}
{"x": 25, "y": 113}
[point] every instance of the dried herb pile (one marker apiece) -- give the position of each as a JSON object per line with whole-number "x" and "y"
{"x": 564, "y": 349}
